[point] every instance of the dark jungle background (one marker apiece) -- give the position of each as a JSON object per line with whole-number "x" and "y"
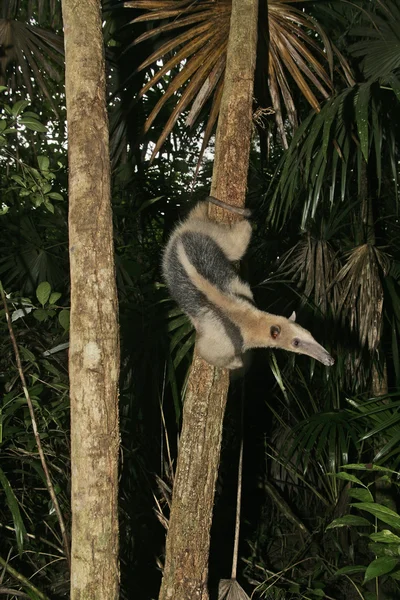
{"x": 321, "y": 446}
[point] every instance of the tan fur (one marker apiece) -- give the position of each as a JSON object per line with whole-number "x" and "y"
{"x": 255, "y": 325}
{"x": 232, "y": 239}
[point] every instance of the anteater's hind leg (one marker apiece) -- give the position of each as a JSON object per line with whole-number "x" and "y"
{"x": 232, "y": 239}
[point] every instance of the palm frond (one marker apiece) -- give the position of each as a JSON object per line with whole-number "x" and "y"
{"x": 362, "y": 292}
{"x": 380, "y": 48}
{"x": 199, "y": 55}
{"x": 314, "y": 266}
{"x": 328, "y": 147}
{"x": 31, "y": 53}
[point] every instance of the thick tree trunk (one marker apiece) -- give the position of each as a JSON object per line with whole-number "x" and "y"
{"x": 188, "y": 539}
{"x": 94, "y": 341}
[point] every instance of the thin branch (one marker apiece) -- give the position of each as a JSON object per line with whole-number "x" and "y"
{"x": 49, "y": 483}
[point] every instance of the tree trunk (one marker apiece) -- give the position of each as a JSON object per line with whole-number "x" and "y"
{"x": 94, "y": 340}
{"x": 188, "y": 538}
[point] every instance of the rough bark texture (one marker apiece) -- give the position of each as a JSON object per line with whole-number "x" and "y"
{"x": 94, "y": 341}
{"x": 188, "y": 539}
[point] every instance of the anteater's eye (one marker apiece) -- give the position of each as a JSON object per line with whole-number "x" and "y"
{"x": 296, "y": 342}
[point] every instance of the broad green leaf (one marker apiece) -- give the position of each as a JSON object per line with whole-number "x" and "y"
{"x": 361, "y": 494}
{"x": 43, "y": 292}
{"x": 19, "y": 180}
{"x": 381, "y": 549}
{"x": 385, "y": 536}
{"x": 19, "y": 106}
{"x": 63, "y": 319}
{"x": 379, "y": 567}
{"x": 49, "y": 206}
{"x": 40, "y": 314}
{"x": 33, "y": 124}
{"x": 43, "y": 163}
{"x": 54, "y": 297}
{"x": 55, "y": 196}
{"x": 349, "y": 520}
{"x": 381, "y": 512}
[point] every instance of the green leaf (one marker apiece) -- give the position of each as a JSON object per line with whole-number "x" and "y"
{"x": 40, "y": 314}
{"x": 350, "y": 570}
{"x": 33, "y": 124}
{"x": 391, "y": 550}
{"x": 54, "y": 297}
{"x": 347, "y": 477}
{"x": 381, "y": 512}
{"x": 379, "y": 567}
{"x": 27, "y": 354}
{"x": 55, "y": 196}
{"x": 12, "y": 503}
{"x": 49, "y": 206}
{"x": 19, "y": 179}
{"x": 19, "y": 106}
{"x": 349, "y": 520}
{"x": 43, "y": 163}
{"x": 361, "y": 494}
{"x": 43, "y": 292}
{"x": 362, "y": 101}
{"x": 385, "y": 536}
{"x": 63, "y": 319}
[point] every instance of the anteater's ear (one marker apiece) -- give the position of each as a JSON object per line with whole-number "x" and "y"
{"x": 275, "y": 331}
{"x": 292, "y": 316}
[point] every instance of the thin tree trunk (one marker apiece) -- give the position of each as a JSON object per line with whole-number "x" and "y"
{"x": 188, "y": 538}
{"x": 94, "y": 341}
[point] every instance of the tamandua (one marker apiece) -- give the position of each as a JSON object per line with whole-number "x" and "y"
{"x": 197, "y": 267}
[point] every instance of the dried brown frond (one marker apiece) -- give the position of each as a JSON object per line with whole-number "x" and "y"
{"x": 361, "y": 299}
{"x": 200, "y": 53}
{"x": 314, "y": 266}
{"x": 230, "y": 589}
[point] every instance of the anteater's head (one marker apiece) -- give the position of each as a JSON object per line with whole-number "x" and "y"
{"x": 286, "y": 334}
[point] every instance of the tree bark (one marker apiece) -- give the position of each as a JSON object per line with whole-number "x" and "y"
{"x": 94, "y": 339}
{"x": 188, "y": 538}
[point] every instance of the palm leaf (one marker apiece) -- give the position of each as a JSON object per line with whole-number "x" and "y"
{"x": 30, "y": 53}
{"x": 380, "y": 46}
{"x": 314, "y": 266}
{"x": 362, "y": 293}
{"x": 326, "y": 150}
{"x": 199, "y": 54}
